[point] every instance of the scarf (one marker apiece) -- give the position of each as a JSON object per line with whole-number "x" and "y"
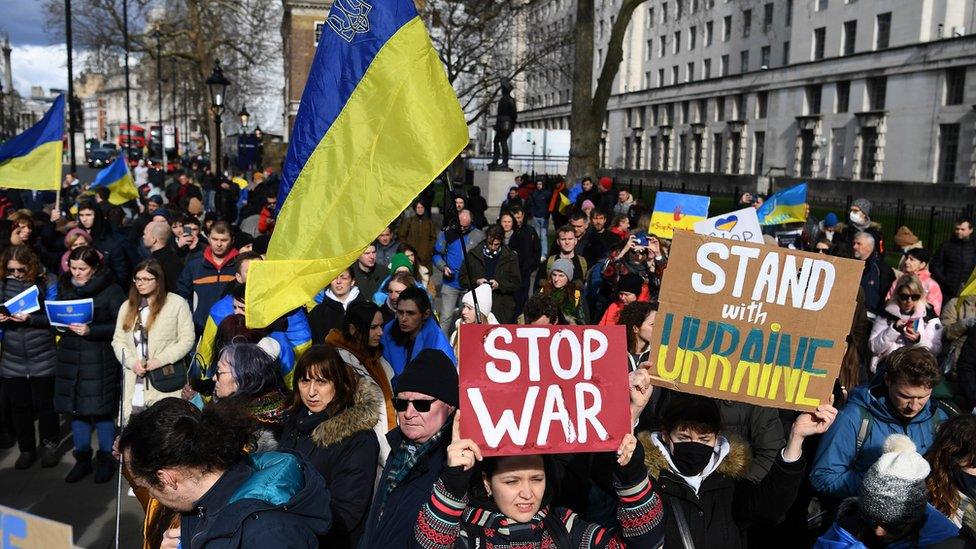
{"x": 404, "y": 458}
{"x": 268, "y": 409}
{"x": 489, "y": 254}
{"x": 508, "y": 236}
{"x": 566, "y": 302}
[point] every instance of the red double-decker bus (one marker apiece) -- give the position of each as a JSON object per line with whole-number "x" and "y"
{"x": 132, "y": 139}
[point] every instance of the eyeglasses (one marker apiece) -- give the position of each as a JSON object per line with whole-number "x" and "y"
{"x": 906, "y": 297}
{"x": 143, "y": 279}
{"x": 422, "y": 406}
{"x": 218, "y": 373}
{"x": 17, "y": 270}
{"x": 822, "y": 250}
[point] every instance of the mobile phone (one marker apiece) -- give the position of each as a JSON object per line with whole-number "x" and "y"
{"x": 916, "y": 323}
{"x": 187, "y": 231}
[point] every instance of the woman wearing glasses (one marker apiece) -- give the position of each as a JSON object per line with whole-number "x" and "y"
{"x": 330, "y": 423}
{"x": 154, "y": 328}
{"x": 28, "y": 360}
{"x": 906, "y": 321}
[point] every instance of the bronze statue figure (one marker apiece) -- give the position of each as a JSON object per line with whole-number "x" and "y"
{"x": 504, "y": 125}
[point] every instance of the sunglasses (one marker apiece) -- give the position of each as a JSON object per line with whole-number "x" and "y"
{"x": 906, "y": 297}
{"x": 422, "y": 406}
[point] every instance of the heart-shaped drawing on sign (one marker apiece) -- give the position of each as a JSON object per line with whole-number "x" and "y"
{"x": 726, "y": 223}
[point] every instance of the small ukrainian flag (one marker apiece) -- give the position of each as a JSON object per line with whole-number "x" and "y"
{"x": 786, "y": 206}
{"x": 32, "y": 160}
{"x": 117, "y": 178}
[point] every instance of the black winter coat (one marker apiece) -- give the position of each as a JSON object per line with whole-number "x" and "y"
{"x": 725, "y": 499}
{"x": 345, "y": 451}
{"x": 87, "y": 375}
{"x": 966, "y": 370}
{"x": 507, "y": 274}
{"x": 952, "y": 264}
{"x": 27, "y": 348}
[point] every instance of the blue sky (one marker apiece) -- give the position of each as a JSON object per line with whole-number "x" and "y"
{"x": 36, "y": 60}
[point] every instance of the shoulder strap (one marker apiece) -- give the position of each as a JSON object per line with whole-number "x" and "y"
{"x": 679, "y": 517}
{"x": 557, "y": 529}
{"x": 863, "y": 430}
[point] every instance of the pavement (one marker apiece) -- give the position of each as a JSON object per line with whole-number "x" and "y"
{"x": 88, "y": 507}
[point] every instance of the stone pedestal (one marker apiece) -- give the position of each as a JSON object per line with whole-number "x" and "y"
{"x": 494, "y": 186}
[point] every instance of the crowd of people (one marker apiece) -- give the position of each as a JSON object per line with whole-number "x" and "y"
{"x": 337, "y": 424}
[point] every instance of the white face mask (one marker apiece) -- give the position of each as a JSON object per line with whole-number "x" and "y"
{"x": 857, "y": 218}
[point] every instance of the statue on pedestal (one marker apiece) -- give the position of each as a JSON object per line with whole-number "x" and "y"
{"x": 504, "y": 125}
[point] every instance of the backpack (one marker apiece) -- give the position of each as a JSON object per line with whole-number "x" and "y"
{"x": 864, "y": 428}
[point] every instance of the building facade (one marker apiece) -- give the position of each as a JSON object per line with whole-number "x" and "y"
{"x": 301, "y": 28}
{"x": 878, "y": 90}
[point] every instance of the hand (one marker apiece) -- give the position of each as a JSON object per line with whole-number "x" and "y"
{"x": 806, "y": 424}
{"x": 626, "y": 449}
{"x": 448, "y": 273}
{"x": 493, "y": 284}
{"x": 653, "y": 247}
{"x": 4, "y": 318}
{"x": 184, "y": 240}
{"x": 139, "y": 368}
{"x": 481, "y": 281}
{"x": 462, "y": 451}
{"x": 969, "y": 322}
{"x": 115, "y": 449}
{"x": 19, "y": 317}
{"x": 152, "y": 364}
{"x": 224, "y": 186}
{"x": 80, "y": 329}
{"x": 640, "y": 392}
{"x": 631, "y": 241}
{"x": 55, "y": 215}
{"x": 171, "y": 539}
{"x": 188, "y": 393}
{"x": 910, "y": 334}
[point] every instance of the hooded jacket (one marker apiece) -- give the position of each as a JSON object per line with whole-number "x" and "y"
{"x": 448, "y": 252}
{"x": 27, "y": 348}
{"x": 420, "y": 233}
{"x": 933, "y": 294}
{"x": 507, "y": 274}
{"x": 430, "y": 337}
{"x": 885, "y": 336}
{"x": 724, "y": 498}
{"x": 87, "y": 375}
{"x": 839, "y": 465}
{"x": 937, "y": 528}
{"x": 343, "y": 449}
{"x": 329, "y": 314}
{"x": 202, "y": 282}
{"x": 268, "y": 500}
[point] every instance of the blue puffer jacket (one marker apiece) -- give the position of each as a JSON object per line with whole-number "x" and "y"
{"x": 448, "y": 252}
{"x": 270, "y": 500}
{"x": 430, "y": 337}
{"x": 937, "y": 529}
{"x": 839, "y": 465}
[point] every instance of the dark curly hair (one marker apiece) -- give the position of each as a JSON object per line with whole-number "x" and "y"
{"x": 953, "y": 445}
{"x": 632, "y": 316}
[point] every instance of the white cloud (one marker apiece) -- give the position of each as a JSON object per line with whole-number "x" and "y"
{"x": 44, "y": 66}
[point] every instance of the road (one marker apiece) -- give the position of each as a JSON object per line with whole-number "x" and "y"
{"x": 88, "y": 507}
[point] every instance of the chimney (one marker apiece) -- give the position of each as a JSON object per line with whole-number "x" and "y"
{"x": 8, "y": 77}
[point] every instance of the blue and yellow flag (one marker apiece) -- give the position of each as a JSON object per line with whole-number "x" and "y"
{"x": 378, "y": 122}
{"x": 32, "y": 160}
{"x": 677, "y": 211}
{"x": 786, "y": 206}
{"x": 118, "y": 179}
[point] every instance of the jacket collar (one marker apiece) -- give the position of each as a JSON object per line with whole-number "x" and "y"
{"x": 735, "y": 464}
{"x": 361, "y": 416}
{"x": 209, "y": 257}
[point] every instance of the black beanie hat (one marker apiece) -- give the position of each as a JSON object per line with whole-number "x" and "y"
{"x": 432, "y": 373}
{"x": 632, "y": 283}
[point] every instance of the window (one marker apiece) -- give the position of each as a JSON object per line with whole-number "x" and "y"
{"x": 843, "y": 97}
{"x": 877, "y": 89}
{"x": 814, "y": 94}
{"x": 767, "y": 16}
{"x": 648, "y": 52}
{"x": 740, "y": 107}
{"x": 686, "y": 112}
{"x": 717, "y": 157}
{"x": 723, "y": 65}
{"x": 654, "y": 115}
{"x": 838, "y": 161}
{"x": 869, "y": 149}
{"x": 736, "y": 141}
{"x": 806, "y": 153}
{"x": 758, "y": 147}
{"x": 694, "y": 6}
{"x": 708, "y": 34}
{"x": 650, "y": 17}
{"x": 819, "y": 42}
{"x": 660, "y": 78}
{"x": 647, "y": 79}
{"x": 652, "y": 145}
{"x": 948, "y": 152}
{"x": 666, "y": 152}
{"x": 821, "y": 5}
{"x": 661, "y": 45}
{"x": 679, "y": 8}
{"x": 744, "y": 61}
{"x": 786, "y": 53}
{"x": 674, "y": 74}
{"x": 664, "y": 12}
{"x": 319, "y": 26}
{"x": 764, "y": 57}
{"x": 850, "y": 36}
{"x": 692, "y": 37}
{"x": 691, "y": 72}
{"x": 955, "y": 85}
{"x": 726, "y": 28}
{"x": 746, "y": 23}
{"x": 720, "y": 109}
{"x": 762, "y": 101}
{"x": 683, "y": 152}
{"x": 883, "y": 31}
{"x": 702, "y": 111}
{"x": 676, "y": 47}
{"x": 789, "y": 12}
{"x": 707, "y": 69}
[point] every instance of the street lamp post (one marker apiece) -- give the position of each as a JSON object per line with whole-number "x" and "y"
{"x": 176, "y": 125}
{"x": 244, "y": 116}
{"x": 217, "y": 86}
{"x": 159, "y": 96}
{"x": 71, "y": 87}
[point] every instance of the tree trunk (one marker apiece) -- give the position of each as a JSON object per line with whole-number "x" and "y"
{"x": 590, "y": 106}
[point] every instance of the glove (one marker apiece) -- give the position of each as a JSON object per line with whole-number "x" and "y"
{"x": 970, "y": 321}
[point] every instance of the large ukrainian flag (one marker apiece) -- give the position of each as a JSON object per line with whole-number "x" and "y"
{"x": 119, "y": 181}
{"x": 377, "y": 123}
{"x": 32, "y": 160}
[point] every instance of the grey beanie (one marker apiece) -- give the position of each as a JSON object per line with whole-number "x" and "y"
{"x": 893, "y": 490}
{"x": 563, "y": 265}
{"x": 864, "y": 205}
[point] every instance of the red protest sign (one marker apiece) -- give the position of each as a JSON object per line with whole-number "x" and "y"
{"x": 544, "y": 389}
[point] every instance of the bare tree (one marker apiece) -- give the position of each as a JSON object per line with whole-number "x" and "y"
{"x": 589, "y": 106}
{"x": 480, "y": 45}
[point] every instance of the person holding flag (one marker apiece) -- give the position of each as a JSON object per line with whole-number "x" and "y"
{"x": 118, "y": 180}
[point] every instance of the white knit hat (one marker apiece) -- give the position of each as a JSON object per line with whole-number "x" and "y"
{"x": 893, "y": 489}
{"x": 484, "y": 299}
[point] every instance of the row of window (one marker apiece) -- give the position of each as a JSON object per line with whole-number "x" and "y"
{"x": 882, "y": 36}
{"x": 724, "y": 67}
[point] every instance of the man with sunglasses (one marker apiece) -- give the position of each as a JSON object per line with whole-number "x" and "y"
{"x": 425, "y": 398}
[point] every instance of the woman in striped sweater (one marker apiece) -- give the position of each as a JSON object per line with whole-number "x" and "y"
{"x": 508, "y": 506}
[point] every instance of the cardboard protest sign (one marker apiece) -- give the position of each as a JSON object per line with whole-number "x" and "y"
{"x": 677, "y": 211}
{"x": 739, "y": 225}
{"x": 544, "y": 389}
{"x": 27, "y": 531}
{"x": 750, "y": 323}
